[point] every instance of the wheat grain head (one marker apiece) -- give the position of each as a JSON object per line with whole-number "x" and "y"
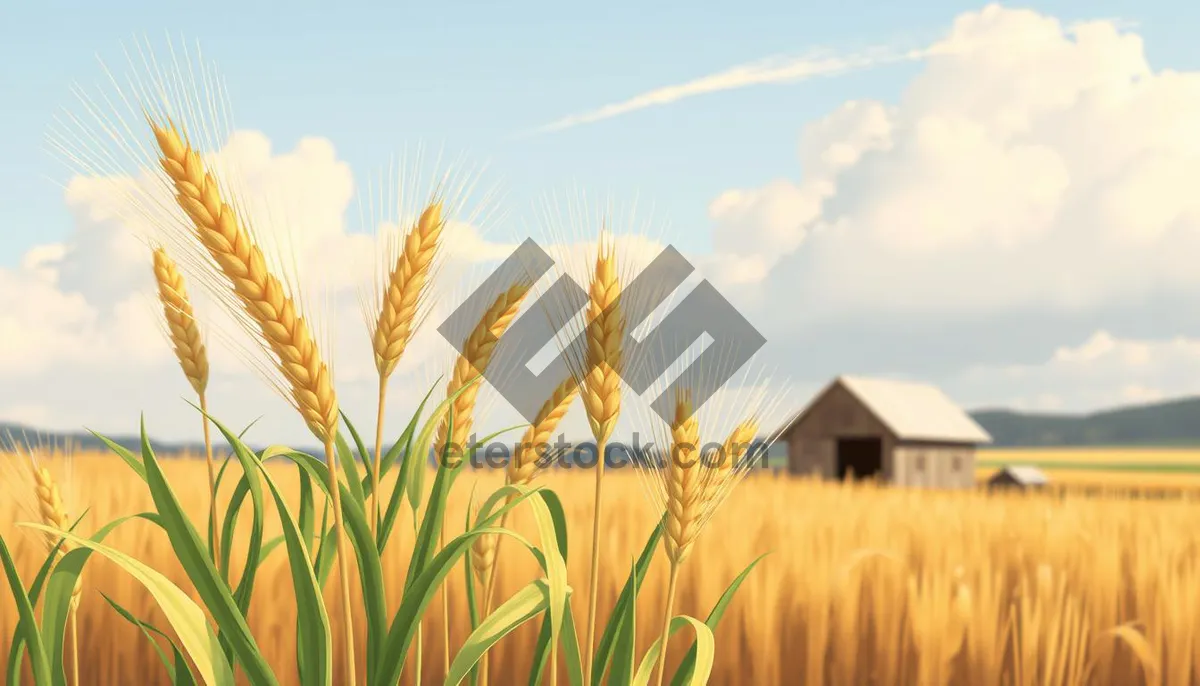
{"x": 605, "y": 339}
{"x": 33, "y": 486}
{"x": 405, "y": 286}
{"x": 483, "y": 554}
{"x": 685, "y": 481}
{"x": 264, "y": 298}
{"x": 182, "y": 328}
{"x": 472, "y": 362}
{"x": 527, "y": 458}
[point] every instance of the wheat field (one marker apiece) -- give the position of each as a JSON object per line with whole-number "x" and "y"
{"x": 1159, "y": 469}
{"x": 863, "y": 584}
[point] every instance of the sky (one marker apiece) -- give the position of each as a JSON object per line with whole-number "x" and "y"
{"x": 995, "y": 199}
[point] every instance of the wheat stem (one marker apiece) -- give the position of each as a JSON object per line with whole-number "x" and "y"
{"x": 445, "y": 610}
{"x": 398, "y": 318}
{"x": 665, "y": 636}
{"x": 602, "y": 397}
{"x": 594, "y": 571}
{"x": 476, "y": 353}
{"x": 343, "y": 560}
{"x": 212, "y": 482}
{"x": 375, "y": 506}
{"x": 419, "y": 649}
{"x": 184, "y": 334}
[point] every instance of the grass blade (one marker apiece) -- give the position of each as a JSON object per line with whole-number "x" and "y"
{"x": 526, "y": 604}
{"x": 314, "y": 641}
{"x": 179, "y": 670}
{"x": 27, "y": 628}
{"x": 624, "y": 653}
{"x": 705, "y": 650}
{"x": 370, "y": 568}
{"x": 350, "y": 467}
{"x": 185, "y": 617}
{"x": 192, "y": 555}
{"x": 403, "y": 446}
{"x": 364, "y": 482}
{"x": 629, "y": 593}
{"x": 571, "y": 653}
{"x": 125, "y": 454}
{"x": 684, "y": 673}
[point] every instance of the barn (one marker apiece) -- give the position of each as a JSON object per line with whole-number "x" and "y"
{"x": 908, "y": 434}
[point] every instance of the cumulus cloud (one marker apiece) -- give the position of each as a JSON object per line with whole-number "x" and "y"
{"x": 1102, "y": 370}
{"x": 80, "y": 328}
{"x": 1029, "y": 164}
{"x": 1018, "y": 227}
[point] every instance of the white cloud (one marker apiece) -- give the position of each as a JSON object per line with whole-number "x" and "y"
{"x": 1100, "y": 371}
{"x": 1027, "y": 165}
{"x": 1029, "y": 168}
{"x": 80, "y": 328}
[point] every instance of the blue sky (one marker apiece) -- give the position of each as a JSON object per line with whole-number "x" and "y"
{"x": 1007, "y": 210}
{"x": 376, "y": 76}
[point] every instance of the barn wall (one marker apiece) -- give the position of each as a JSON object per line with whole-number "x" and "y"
{"x": 935, "y": 465}
{"x": 812, "y": 442}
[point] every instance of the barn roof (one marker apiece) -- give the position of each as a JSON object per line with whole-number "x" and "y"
{"x": 1022, "y": 474}
{"x": 911, "y": 411}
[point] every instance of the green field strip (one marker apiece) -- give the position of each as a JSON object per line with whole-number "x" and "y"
{"x": 1159, "y": 467}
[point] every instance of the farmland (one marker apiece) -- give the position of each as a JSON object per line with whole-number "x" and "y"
{"x": 864, "y": 585}
{"x": 1133, "y": 468}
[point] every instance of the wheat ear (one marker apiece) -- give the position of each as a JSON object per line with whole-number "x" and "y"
{"x": 398, "y": 318}
{"x": 268, "y": 304}
{"x": 184, "y": 333}
{"x": 483, "y": 555}
{"x": 527, "y": 458}
{"x": 723, "y": 469}
{"x": 601, "y": 394}
{"x": 471, "y": 363}
{"x": 54, "y": 515}
{"x": 685, "y": 500}
{"x": 523, "y": 466}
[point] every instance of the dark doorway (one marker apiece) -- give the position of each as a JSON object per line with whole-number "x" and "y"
{"x": 861, "y": 456}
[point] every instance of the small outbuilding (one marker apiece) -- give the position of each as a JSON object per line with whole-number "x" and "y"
{"x": 905, "y": 433}
{"x": 1018, "y": 477}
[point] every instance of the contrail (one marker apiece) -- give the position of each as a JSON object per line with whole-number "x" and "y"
{"x": 819, "y": 63}
{"x": 774, "y": 70}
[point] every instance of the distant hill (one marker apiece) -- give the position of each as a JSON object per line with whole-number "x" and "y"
{"x": 1171, "y": 423}
{"x": 85, "y": 442}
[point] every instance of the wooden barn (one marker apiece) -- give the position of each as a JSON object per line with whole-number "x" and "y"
{"x": 904, "y": 433}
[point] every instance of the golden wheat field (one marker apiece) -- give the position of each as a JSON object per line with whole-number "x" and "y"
{"x": 1162, "y": 469}
{"x": 863, "y": 584}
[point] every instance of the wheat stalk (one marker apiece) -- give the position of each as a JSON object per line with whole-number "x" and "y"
{"x": 36, "y": 490}
{"x": 605, "y": 333}
{"x": 271, "y": 308}
{"x": 184, "y": 334}
{"x": 685, "y": 500}
{"x": 523, "y": 466}
{"x": 397, "y": 319}
{"x": 471, "y": 363}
